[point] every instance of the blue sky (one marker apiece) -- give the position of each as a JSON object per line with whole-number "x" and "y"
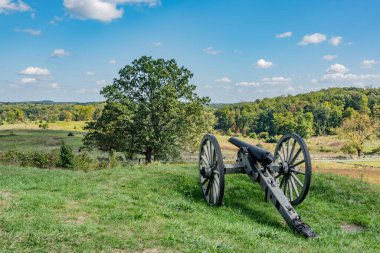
{"x": 67, "y": 50}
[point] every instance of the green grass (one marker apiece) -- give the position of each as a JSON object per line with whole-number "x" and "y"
{"x": 44, "y": 140}
{"x": 159, "y": 208}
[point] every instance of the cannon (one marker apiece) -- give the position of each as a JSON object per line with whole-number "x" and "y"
{"x": 284, "y": 176}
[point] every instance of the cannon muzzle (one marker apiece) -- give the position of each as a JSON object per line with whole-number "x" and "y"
{"x": 259, "y": 154}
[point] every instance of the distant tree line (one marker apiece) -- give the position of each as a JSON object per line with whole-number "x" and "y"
{"x": 315, "y": 113}
{"x": 12, "y": 113}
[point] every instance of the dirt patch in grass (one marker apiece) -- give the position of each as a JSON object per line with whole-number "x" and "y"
{"x": 5, "y": 199}
{"x": 351, "y": 228}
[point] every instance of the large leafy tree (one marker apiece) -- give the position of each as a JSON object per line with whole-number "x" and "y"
{"x": 151, "y": 109}
{"x": 357, "y": 130}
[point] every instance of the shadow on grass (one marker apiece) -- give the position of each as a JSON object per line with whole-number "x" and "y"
{"x": 237, "y": 199}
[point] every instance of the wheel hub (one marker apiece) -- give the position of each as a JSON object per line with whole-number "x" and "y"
{"x": 207, "y": 172}
{"x": 285, "y": 168}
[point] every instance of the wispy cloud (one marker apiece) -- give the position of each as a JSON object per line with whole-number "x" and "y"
{"x": 336, "y": 41}
{"x": 284, "y": 35}
{"x": 329, "y": 57}
{"x": 368, "y": 64}
{"x": 223, "y": 80}
{"x": 60, "y": 52}
{"x": 212, "y": 51}
{"x": 112, "y": 61}
{"x": 7, "y": 6}
{"x": 30, "y": 31}
{"x": 248, "y": 84}
{"x": 55, "y": 21}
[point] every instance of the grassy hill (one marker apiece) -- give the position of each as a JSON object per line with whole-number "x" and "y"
{"x": 159, "y": 208}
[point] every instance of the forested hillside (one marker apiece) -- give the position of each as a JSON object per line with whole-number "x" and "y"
{"x": 48, "y": 111}
{"x": 315, "y": 113}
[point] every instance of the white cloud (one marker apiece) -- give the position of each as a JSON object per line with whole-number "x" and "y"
{"x": 276, "y": 80}
{"x": 60, "y": 52}
{"x": 314, "y": 38}
{"x": 26, "y": 80}
{"x": 368, "y": 64}
{"x": 35, "y": 71}
{"x": 53, "y": 86}
{"x": 248, "y": 84}
{"x": 101, "y": 82}
{"x": 157, "y": 43}
{"x": 55, "y": 21}
{"x": 336, "y": 41}
{"x": 339, "y": 73}
{"x": 90, "y": 73}
{"x": 84, "y": 90}
{"x": 7, "y": 6}
{"x": 332, "y": 77}
{"x": 337, "y": 68}
{"x": 212, "y": 51}
{"x": 314, "y": 81}
{"x": 284, "y": 35}
{"x": 263, "y": 64}
{"x": 112, "y": 61}
{"x": 329, "y": 57}
{"x": 102, "y": 10}
{"x": 290, "y": 89}
{"x": 223, "y": 80}
{"x": 30, "y": 31}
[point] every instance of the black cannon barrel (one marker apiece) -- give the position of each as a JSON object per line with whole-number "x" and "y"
{"x": 259, "y": 154}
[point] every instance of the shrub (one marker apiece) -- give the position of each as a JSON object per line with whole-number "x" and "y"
{"x": 44, "y": 125}
{"x": 263, "y": 135}
{"x": 83, "y": 162}
{"x": 66, "y": 157}
{"x": 253, "y": 135}
{"x": 70, "y": 134}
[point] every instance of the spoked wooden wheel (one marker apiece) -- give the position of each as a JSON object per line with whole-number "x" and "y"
{"x": 211, "y": 170}
{"x": 295, "y": 167}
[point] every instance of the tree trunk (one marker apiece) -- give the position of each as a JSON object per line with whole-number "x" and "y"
{"x": 148, "y": 154}
{"x": 359, "y": 153}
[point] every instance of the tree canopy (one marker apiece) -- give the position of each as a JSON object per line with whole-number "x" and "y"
{"x": 151, "y": 109}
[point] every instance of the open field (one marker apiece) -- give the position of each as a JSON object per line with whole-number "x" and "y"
{"x": 45, "y": 140}
{"x": 159, "y": 208}
{"x": 58, "y": 125}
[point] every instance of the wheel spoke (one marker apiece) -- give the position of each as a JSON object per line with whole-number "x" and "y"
{"x": 279, "y": 155}
{"x": 295, "y": 156}
{"x": 208, "y": 187}
{"x": 297, "y": 172}
{"x": 294, "y": 186}
{"x": 215, "y": 189}
{"x": 292, "y": 151}
{"x": 297, "y": 179}
{"x": 277, "y": 176}
{"x": 283, "y": 151}
{"x": 296, "y": 164}
{"x": 205, "y": 160}
{"x": 212, "y": 149}
{"x": 205, "y": 181}
{"x": 286, "y": 182}
{"x": 205, "y": 148}
{"x": 209, "y": 151}
{"x": 290, "y": 190}
{"x": 282, "y": 181}
{"x": 287, "y": 149}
